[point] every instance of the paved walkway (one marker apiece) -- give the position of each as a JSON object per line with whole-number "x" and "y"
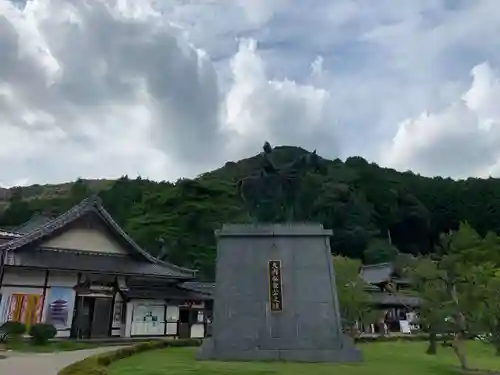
{"x": 45, "y": 363}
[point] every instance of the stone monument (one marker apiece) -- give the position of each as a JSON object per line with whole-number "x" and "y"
{"x": 275, "y": 296}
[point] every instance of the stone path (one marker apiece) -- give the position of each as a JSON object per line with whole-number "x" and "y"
{"x": 45, "y": 363}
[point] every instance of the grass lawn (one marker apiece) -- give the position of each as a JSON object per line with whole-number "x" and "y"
{"x": 55, "y": 346}
{"x": 395, "y": 358}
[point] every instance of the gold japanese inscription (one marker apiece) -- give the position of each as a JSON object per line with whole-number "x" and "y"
{"x": 275, "y": 286}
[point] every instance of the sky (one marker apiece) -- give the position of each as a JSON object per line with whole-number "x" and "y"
{"x": 172, "y": 88}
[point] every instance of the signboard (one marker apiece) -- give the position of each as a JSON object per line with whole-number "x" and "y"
{"x": 275, "y": 286}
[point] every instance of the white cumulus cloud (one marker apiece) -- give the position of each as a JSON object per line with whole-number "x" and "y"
{"x": 461, "y": 140}
{"x": 101, "y": 88}
{"x": 171, "y": 88}
{"x": 282, "y": 112}
{"x": 260, "y": 11}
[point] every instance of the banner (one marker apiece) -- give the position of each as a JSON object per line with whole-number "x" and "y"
{"x": 24, "y": 308}
{"x": 58, "y": 304}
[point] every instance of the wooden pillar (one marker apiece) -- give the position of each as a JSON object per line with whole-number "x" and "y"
{"x": 44, "y": 293}
{"x": 165, "y": 318}
{"x": 112, "y": 314}
{"x": 3, "y": 255}
{"x": 75, "y": 322}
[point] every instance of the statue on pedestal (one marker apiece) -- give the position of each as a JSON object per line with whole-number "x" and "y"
{"x": 270, "y": 193}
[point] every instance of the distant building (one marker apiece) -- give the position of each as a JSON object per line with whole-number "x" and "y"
{"x": 392, "y": 296}
{"x": 81, "y": 272}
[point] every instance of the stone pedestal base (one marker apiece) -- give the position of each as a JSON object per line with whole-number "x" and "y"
{"x": 275, "y": 297}
{"x": 348, "y": 353}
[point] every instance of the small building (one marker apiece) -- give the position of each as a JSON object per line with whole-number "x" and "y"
{"x": 81, "y": 272}
{"x": 391, "y": 295}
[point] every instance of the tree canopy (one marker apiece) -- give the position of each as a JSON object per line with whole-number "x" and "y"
{"x": 459, "y": 289}
{"x": 364, "y": 204}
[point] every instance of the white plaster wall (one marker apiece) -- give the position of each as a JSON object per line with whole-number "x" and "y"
{"x": 86, "y": 239}
{"x": 24, "y": 277}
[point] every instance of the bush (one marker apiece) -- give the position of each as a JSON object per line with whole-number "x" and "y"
{"x": 97, "y": 365}
{"x": 413, "y": 337}
{"x": 14, "y": 329}
{"x": 41, "y": 333}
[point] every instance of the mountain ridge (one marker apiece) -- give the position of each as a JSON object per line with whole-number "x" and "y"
{"x": 360, "y": 201}
{"x": 283, "y": 154}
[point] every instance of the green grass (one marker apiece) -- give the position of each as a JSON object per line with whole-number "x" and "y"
{"x": 395, "y": 358}
{"x": 55, "y": 346}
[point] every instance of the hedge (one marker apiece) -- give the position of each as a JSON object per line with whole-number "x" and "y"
{"x": 97, "y": 365}
{"x": 41, "y": 333}
{"x": 412, "y": 338}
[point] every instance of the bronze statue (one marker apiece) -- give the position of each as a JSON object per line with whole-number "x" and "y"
{"x": 267, "y": 165}
{"x": 270, "y": 195}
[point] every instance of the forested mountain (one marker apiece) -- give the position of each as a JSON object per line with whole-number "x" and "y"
{"x": 367, "y": 206}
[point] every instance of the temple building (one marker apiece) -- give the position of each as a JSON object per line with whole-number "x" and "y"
{"x": 82, "y": 273}
{"x": 392, "y": 297}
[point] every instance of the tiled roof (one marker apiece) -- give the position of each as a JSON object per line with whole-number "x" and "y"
{"x": 90, "y": 205}
{"x": 377, "y": 273}
{"x": 206, "y": 288}
{"x": 70, "y": 260}
{"x": 395, "y": 300}
{"x": 9, "y": 234}
{"x": 174, "y": 293}
{"x": 36, "y": 221}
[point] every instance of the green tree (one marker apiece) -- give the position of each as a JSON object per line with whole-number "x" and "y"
{"x": 185, "y": 216}
{"x": 426, "y": 278}
{"x": 79, "y": 191}
{"x": 464, "y": 244}
{"x": 411, "y": 232}
{"x": 379, "y": 251}
{"x": 485, "y": 323}
{"x": 18, "y": 210}
{"x": 467, "y": 246}
{"x": 354, "y": 301}
{"x": 340, "y": 208}
{"x": 358, "y": 200}
{"x": 477, "y": 259}
{"x": 451, "y": 299}
{"x": 490, "y": 312}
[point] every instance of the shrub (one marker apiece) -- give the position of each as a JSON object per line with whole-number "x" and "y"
{"x": 369, "y": 339}
{"x": 14, "y": 329}
{"x": 42, "y": 332}
{"x": 97, "y": 365}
